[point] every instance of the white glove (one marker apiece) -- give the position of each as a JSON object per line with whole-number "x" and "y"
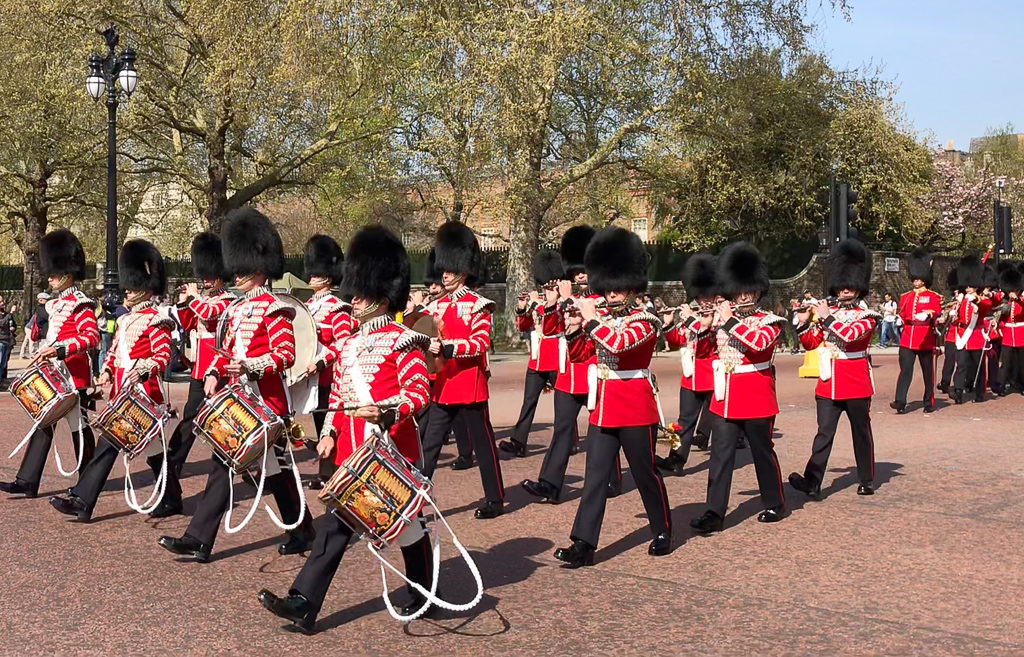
{"x": 921, "y": 316}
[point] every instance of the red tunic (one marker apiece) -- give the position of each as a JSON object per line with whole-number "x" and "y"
{"x": 391, "y": 360}
{"x": 745, "y": 348}
{"x": 334, "y": 321}
{"x": 970, "y": 322}
{"x": 917, "y": 333}
{"x": 73, "y": 331}
{"x": 625, "y": 394}
{"x": 572, "y": 376}
{"x": 991, "y": 326}
{"x": 202, "y": 315}
{"x": 697, "y": 350}
{"x": 259, "y": 333}
{"x": 1011, "y": 323}
{"x": 144, "y": 334}
{"x": 846, "y": 334}
{"x": 546, "y": 334}
{"x": 464, "y": 327}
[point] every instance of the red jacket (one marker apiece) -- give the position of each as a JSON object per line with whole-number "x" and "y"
{"x": 992, "y": 327}
{"x": 846, "y": 334}
{"x": 572, "y": 379}
{"x": 144, "y": 335}
{"x": 970, "y": 322}
{"x": 390, "y": 358}
{"x": 259, "y": 333}
{"x": 73, "y": 331}
{"x": 546, "y": 335}
{"x": 697, "y": 348}
{"x": 202, "y": 316}
{"x": 464, "y": 327}
{"x": 745, "y": 348}
{"x": 625, "y": 388}
{"x": 334, "y": 321}
{"x": 919, "y": 334}
{"x": 1011, "y": 323}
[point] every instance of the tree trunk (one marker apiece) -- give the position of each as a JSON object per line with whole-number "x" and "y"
{"x": 525, "y": 216}
{"x": 217, "y": 194}
{"x": 36, "y": 220}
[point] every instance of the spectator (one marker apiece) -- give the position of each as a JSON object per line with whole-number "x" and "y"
{"x": 787, "y": 337}
{"x": 809, "y": 299}
{"x": 36, "y": 326}
{"x": 889, "y": 309}
{"x": 794, "y": 306}
{"x": 7, "y": 330}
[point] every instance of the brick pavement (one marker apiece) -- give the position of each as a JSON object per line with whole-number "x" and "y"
{"x": 930, "y": 565}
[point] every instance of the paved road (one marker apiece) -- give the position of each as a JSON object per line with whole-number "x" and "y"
{"x": 931, "y": 565}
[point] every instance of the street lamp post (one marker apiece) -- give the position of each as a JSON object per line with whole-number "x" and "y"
{"x": 113, "y": 74}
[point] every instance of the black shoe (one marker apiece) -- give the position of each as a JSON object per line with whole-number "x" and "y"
{"x": 774, "y": 514}
{"x": 72, "y": 506}
{"x": 513, "y": 447}
{"x": 899, "y": 407}
{"x": 575, "y": 449}
{"x": 462, "y": 463}
{"x": 865, "y": 489}
{"x": 661, "y": 545}
{"x": 929, "y": 408}
{"x": 804, "y": 485}
{"x": 315, "y": 484}
{"x": 299, "y": 540}
{"x": 708, "y": 523}
{"x": 416, "y": 603}
{"x": 17, "y": 488}
{"x": 489, "y": 510}
{"x": 167, "y": 508}
{"x": 294, "y": 608}
{"x": 958, "y": 396}
{"x": 944, "y": 388}
{"x": 576, "y": 555}
{"x": 541, "y": 489}
{"x": 674, "y": 464}
{"x": 186, "y": 546}
{"x": 614, "y": 490}
{"x": 978, "y": 400}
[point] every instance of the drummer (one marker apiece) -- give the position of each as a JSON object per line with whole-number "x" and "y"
{"x": 139, "y": 354}
{"x": 70, "y": 334}
{"x": 380, "y": 384}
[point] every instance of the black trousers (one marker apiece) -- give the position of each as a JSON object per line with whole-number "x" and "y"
{"x": 1011, "y": 367}
{"x": 858, "y": 412}
{"x": 180, "y": 443}
{"x": 723, "y": 459}
{"x": 603, "y": 445}
{"x": 31, "y": 471}
{"x": 564, "y": 434}
{"x": 441, "y": 419}
{"x": 532, "y": 389}
{"x": 94, "y": 476}
{"x": 969, "y": 375}
{"x": 693, "y": 406}
{"x": 926, "y": 360}
{"x": 463, "y": 441}
{"x": 992, "y": 366}
{"x": 949, "y": 364}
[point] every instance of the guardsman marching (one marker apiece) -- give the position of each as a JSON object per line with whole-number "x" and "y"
{"x": 1011, "y": 325}
{"x": 919, "y": 309}
{"x": 947, "y": 325}
{"x": 971, "y": 340}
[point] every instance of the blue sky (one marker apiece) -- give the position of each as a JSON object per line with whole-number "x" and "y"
{"x": 957, "y": 63}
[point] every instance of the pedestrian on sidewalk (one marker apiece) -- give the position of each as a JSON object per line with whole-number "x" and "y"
{"x": 889, "y": 312}
{"x": 8, "y": 327}
{"x": 35, "y": 327}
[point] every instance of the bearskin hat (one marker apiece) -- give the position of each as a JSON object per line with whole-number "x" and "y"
{"x": 207, "y": 258}
{"x": 849, "y": 267}
{"x": 616, "y": 261}
{"x": 952, "y": 284}
{"x": 1010, "y": 277}
{"x": 377, "y": 268}
{"x": 431, "y": 275}
{"x": 457, "y": 250}
{"x": 141, "y": 267}
{"x": 60, "y": 252}
{"x": 574, "y": 247}
{"x": 547, "y": 267}
{"x": 970, "y": 273}
{"x": 323, "y": 258}
{"x": 991, "y": 279}
{"x": 251, "y": 245}
{"x": 699, "y": 276}
{"x": 919, "y": 266}
{"x": 741, "y": 269}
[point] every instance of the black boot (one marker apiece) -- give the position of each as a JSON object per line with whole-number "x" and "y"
{"x": 17, "y": 487}
{"x": 167, "y": 508}
{"x": 418, "y": 567}
{"x": 773, "y": 514}
{"x": 700, "y": 441}
{"x": 674, "y": 464}
{"x": 898, "y": 407}
{"x": 300, "y": 539}
{"x": 805, "y": 486}
{"x": 72, "y": 506}
{"x": 513, "y": 447}
{"x": 661, "y": 545}
{"x": 708, "y": 523}
{"x": 295, "y": 608}
{"x": 541, "y": 489}
{"x": 580, "y": 553}
{"x": 488, "y": 510}
{"x": 462, "y": 463}
{"x": 186, "y": 546}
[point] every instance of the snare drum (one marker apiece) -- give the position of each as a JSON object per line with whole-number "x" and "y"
{"x": 376, "y": 492}
{"x": 46, "y": 392}
{"x": 131, "y": 421}
{"x": 238, "y": 426}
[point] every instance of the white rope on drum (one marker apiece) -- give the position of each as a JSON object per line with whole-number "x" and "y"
{"x": 302, "y": 498}
{"x": 256, "y": 501}
{"x": 159, "y": 487}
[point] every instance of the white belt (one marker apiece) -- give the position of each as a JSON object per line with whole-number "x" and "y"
{"x": 826, "y": 356}
{"x": 719, "y": 371}
{"x": 597, "y": 373}
{"x": 1013, "y": 325}
{"x": 535, "y": 339}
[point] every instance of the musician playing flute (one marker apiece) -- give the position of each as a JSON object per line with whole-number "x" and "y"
{"x": 199, "y": 313}
{"x": 842, "y": 336}
{"x": 971, "y": 340}
{"x": 139, "y": 354}
{"x": 381, "y": 379}
{"x": 70, "y": 334}
{"x": 258, "y": 346}
{"x": 919, "y": 309}
{"x": 946, "y": 323}
{"x": 1011, "y": 324}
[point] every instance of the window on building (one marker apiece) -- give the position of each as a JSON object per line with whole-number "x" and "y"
{"x": 640, "y": 227}
{"x": 489, "y": 238}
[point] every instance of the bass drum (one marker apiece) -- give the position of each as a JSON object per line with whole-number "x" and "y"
{"x": 304, "y": 327}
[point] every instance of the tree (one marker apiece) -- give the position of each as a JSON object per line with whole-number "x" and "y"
{"x": 956, "y": 209}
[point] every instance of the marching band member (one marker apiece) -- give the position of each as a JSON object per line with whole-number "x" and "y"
{"x": 947, "y": 319}
{"x": 322, "y": 264}
{"x": 1011, "y": 325}
{"x": 990, "y": 357}
{"x": 259, "y": 337}
{"x": 744, "y": 399}
{"x": 198, "y": 312}
{"x": 919, "y": 309}
{"x": 72, "y": 331}
{"x": 464, "y": 336}
{"x": 693, "y": 335}
{"x": 541, "y": 317}
{"x": 971, "y": 312}
{"x": 842, "y": 336}
{"x": 622, "y": 394}
{"x": 381, "y": 373}
{"x": 139, "y": 353}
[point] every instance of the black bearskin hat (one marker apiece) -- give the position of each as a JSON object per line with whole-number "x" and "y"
{"x": 141, "y": 267}
{"x": 849, "y": 266}
{"x": 547, "y": 267}
{"x": 431, "y": 275}
{"x": 952, "y": 284}
{"x": 970, "y": 273}
{"x": 207, "y": 258}
{"x": 252, "y": 245}
{"x": 699, "y": 276}
{"x": 456, "y": 250}
{"x": 740, "y": 269}
{"x": 377, "y": 268}
{"x": 919, "y": 266}
{"x": 323, "y": 258}
{"x": 616, "y": 261}
{"x": 60, "y": 252}
{"x": 1010, "y": 276}
{"x": 991, "y": 279}
{"x": 574, "y": 247}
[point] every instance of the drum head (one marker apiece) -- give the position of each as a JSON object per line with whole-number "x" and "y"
{"x": 304, "y": 327}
